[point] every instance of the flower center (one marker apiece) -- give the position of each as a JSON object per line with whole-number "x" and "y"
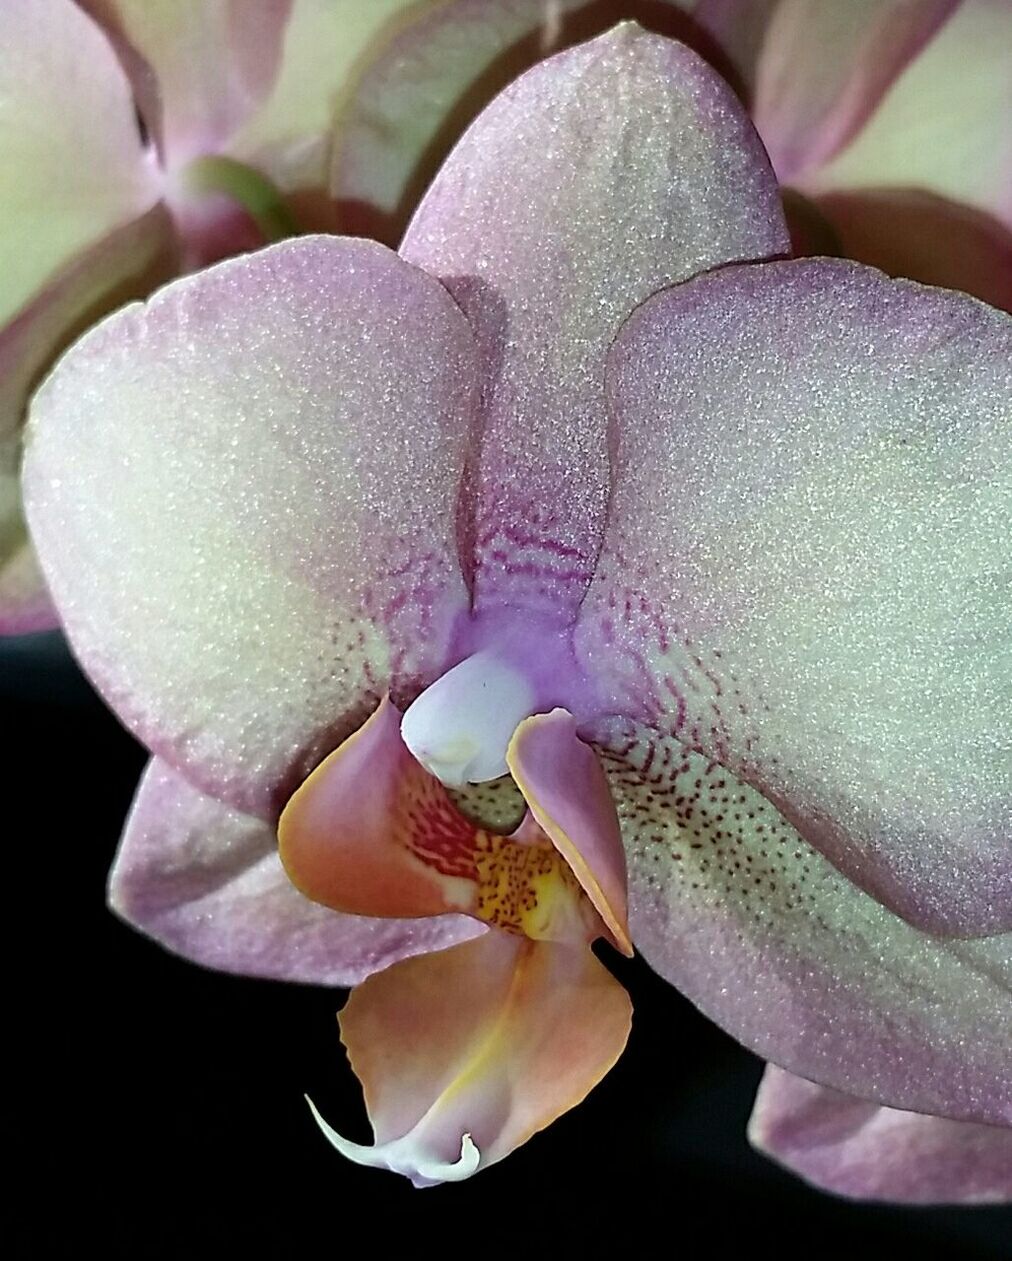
{"x": 460, "y": 727}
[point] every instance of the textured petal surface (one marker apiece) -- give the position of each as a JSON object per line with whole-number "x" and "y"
{"x": 73, "y": 166}
{"x": 943, "y": 125}
{"x": 126, "y": 263}
{"x": 205, "y": 881}
{"x": 824, "y": 68}
{"x": 599, "y": 176}
{"x": 372, "y": 832}
{"x": 806, "y": 575}
{"x": 199, "y": 67}
{"x": 284, "y": 436}
{"x": 858, "y": 1149}
{"x": 494, "y": 1038}
{"x": 566, "y": 790}
{"x": 734, "y": 908}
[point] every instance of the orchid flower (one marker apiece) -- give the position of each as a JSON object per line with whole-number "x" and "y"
{"x": 237, "y": 115}
{"x": 584, "y": 515}
{"x": 855, "y": 1148}
{"x": 885, "y": 120}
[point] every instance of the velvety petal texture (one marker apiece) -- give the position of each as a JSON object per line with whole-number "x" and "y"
{"x": 464, "y": 1054}
{"x": 205, "y": 881}
{"x": 824, "y": 68}
{"x": 70, "y": 145}
{"x": 126, "y": 263}
{"x": 731, "y": 905}
{"x": 615, "y": 168}
{"x": 244, "y": 496}
{"x": 857, "y": 1149}
{"x": 806, "y": 572}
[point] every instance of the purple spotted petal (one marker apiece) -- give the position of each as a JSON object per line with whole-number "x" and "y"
{"x": 243, "y": 494}
{"x": 205, "y": 881}
{"x": 806, "y": 572}
{"x": 825, "y": 66}
{"x": 858, "y": 1149}
{"x": 599, "y": 176}
{"x": 732, "y": 906}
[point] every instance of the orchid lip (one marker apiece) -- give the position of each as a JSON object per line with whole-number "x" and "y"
{"x": 403, "y": 1156}
{"x": 460, "y": 727}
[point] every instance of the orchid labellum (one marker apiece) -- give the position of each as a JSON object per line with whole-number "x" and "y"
{"x": 582, "y": 519}
{"x": 236, "y": 101}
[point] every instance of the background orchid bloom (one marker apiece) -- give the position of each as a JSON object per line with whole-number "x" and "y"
{"x": 750, "y": 529}
{"x": 857, "y": 1149}
{"x": 886, "y": 119}
{"x": 236, "y": 102}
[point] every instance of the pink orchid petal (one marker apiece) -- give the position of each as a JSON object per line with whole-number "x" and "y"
{"x": 806, "y": 570}
{"x": 943, "y": 126}
{"x": 373, "y": 833}
{"x": 858, "y": 1149}
{"x": 289, "y": 135}
{"x": 732, "y": 906}
{"x": 434, "y": 71}
{"x": 200, "y": 67}
{"x": 494, "y": 1039}
{"x": 70, "y": 145}
{"x": 738, "y": 29}
{"x": 900, "y": 230}
{"x": 128, "y": 262}
{"x": 205, "y": 881}
{"x": 244, "y": 497}
{"x": 599, "y": 176}
{"x": 824, "y": 68}
{"x": 567, "y": 793}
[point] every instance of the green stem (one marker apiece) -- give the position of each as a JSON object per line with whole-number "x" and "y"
{"x": 261, "y": 200}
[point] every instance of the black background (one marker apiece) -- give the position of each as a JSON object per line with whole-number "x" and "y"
{"x": 158, "y": 1107}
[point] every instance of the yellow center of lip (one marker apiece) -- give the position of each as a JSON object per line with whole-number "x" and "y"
{"x": 529, "y": 889}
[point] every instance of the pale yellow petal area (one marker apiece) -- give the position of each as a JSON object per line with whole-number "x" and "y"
{"x": 74, "y": 168}
{"x": 476, "y": 1048}
{"x": 326, "y": 42}
{"x": 199, "y": 67}
{"x": 944, "y": 125}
